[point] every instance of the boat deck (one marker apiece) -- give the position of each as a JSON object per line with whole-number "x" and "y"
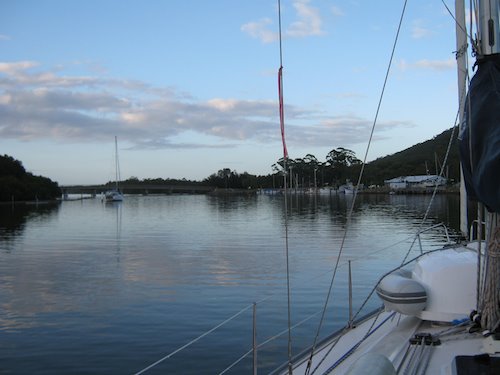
{"x": 382, "y": 337}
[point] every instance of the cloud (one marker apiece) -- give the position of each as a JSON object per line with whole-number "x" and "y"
{"x": 16, "y": 68}
{"x": 260, "y": 30}
{"x": 37, "y": 104}
{"x": 336, "y": 11}
{"x": 308, "y": 23}
{"x": 349, "y": 95}
{"x": 23, "y": 74}
{"x": 163, "y": 144}
{"x": 428, "y": 64}
{"x": 4, "y": 37}
{"x": 47, "y": 104}
{"x": 309, "y": 20}
{"x": 419, "y": 31}
{"x": 436, "y": 64}
{"x": 340, "y": 130}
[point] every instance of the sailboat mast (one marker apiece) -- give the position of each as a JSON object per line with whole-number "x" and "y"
{"x": 461, "y": 55}
{"x": 116, "y": 163}
{"x": 488, "y": 22}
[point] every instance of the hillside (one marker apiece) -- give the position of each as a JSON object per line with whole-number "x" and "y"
{"x": 415, "y": 160}
{"x": 18, "y": 185}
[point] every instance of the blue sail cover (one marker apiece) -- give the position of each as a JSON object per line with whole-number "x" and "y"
{"x": 480, "y": 135}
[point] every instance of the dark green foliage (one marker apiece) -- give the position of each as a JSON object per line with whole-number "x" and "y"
{"x": 227, "y": 179}
{"x": 420, "y": 159}
{"x": 341, "y": 164}
{"x": 18, "y": 185}
{"x": 155, "y": 181}
{"x": 11, "y": 167}
{"x": 224, "y": 178}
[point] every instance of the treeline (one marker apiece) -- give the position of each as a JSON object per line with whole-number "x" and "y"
{"x": 155, "y": 181}
{"x": 224, "y": 178}
{"x": 18, "y": 185}
{"x": 342, "y": 165}
{"x": 228, "y": 179}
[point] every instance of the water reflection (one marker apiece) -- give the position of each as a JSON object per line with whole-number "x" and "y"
{"x": 445, "y": 208}
{"x": 151, "y": 273}
{"x": 231, "y": 202}
{"x": 116, "y": 209}
{"x": 13, "y": 219}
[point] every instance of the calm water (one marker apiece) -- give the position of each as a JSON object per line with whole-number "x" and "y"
{"x": 89, "y": 288}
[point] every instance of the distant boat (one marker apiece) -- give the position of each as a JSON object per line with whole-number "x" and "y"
{"x": 325, "y": 191}
{"x": 115, "y": 195}
{"x": 347, "y": 188}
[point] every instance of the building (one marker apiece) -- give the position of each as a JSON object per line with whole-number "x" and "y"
{"x": 408, "y": 182}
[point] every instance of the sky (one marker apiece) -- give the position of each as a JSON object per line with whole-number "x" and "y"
{"x": 189, "y": 87}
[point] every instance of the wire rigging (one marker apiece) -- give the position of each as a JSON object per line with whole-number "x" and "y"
{"x": 316, "y": 338}
{"x": 285, "y": 157}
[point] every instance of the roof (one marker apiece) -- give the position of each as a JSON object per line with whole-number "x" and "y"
{"x": 415, "y": 179}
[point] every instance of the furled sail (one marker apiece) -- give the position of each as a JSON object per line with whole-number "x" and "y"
{"x": 480, "y": 151}
{"x": 480, "y": 134}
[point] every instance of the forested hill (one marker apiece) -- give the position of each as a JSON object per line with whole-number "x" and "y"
{"x": 415, "y": 160}
{"x": 18, "y": 185}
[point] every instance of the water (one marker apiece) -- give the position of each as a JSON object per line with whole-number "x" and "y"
{"x": 93, "y": 288}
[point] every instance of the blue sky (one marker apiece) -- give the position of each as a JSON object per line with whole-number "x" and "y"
{"x": 190, "y": 87}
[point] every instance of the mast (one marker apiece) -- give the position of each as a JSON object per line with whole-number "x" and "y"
{"x": 116, "y": 164}
{"x": 488, "y": 27}
{"x": 461, "y": 55}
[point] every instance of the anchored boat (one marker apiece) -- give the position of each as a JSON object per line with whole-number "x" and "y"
{"x": 115, "y": 195}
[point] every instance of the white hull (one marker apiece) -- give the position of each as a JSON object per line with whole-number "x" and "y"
{"x": 113, "y": 196}
{"x": 389, "y": 334}
{"x": 384, "y": 336}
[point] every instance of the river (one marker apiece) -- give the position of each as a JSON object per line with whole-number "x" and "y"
{"x": 93, "y": 288}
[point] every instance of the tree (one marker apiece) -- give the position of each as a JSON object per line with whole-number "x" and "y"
{"x": 225, "y": 178}
{"x": 224, "y": 175}
{"x": 342, "y": 157}
{"x": 312, "y": 165}
{"x": 17, "y": 184}
{"x": 339, "y": 160}
{"x": 11, "y": 167}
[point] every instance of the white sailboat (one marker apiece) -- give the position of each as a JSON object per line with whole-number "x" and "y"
{"x": 441, "y": 312}
{"x": 115, "y": 195}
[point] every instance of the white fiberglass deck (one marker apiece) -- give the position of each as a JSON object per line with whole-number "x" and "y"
{"x": 391, "y": 339}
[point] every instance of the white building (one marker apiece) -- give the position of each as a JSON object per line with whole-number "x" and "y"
{"x": 415, "y": 181}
